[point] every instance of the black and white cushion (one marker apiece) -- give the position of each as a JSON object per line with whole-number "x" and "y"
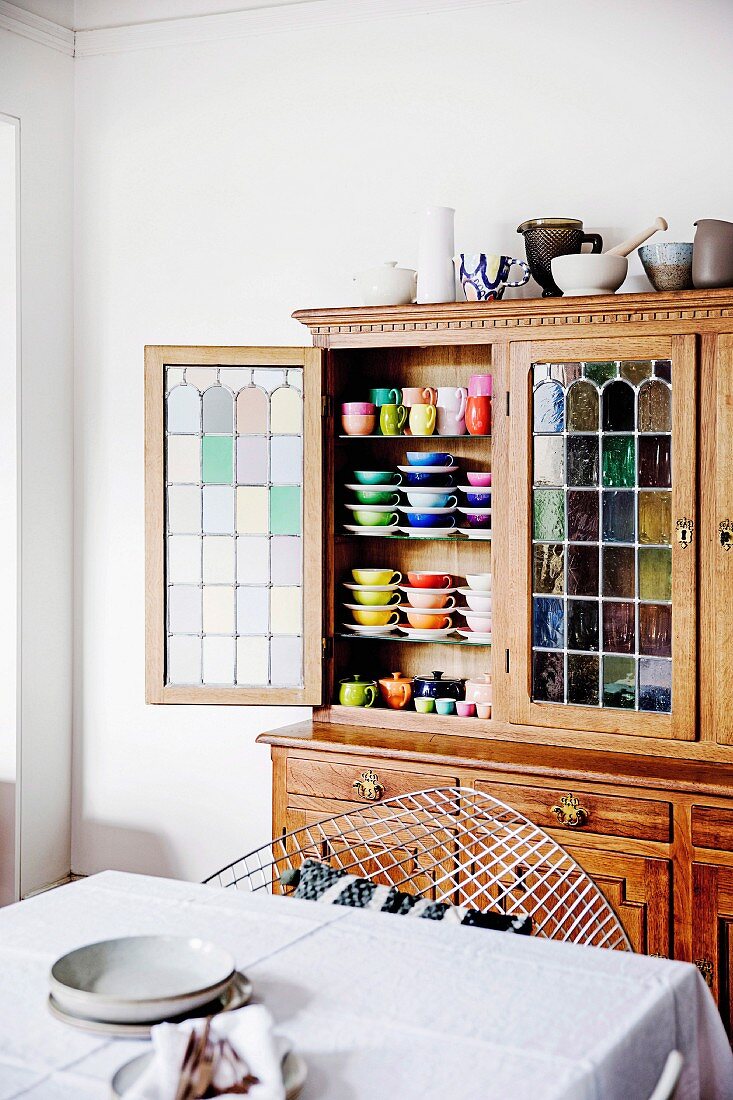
{"x": 333, "y": 886}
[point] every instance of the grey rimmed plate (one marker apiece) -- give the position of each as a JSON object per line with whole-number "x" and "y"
{"x": 295, "y": 1072}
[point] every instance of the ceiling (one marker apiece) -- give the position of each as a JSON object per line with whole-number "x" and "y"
{"x": 97, "y": 14}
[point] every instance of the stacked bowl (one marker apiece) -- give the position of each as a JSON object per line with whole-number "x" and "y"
{"x": 372, "y": 598}
{"x": 428, "y": 605}
{"x": 477, "y": 609}
{"x": 428, "y": 490}
{"x": 374, "y": 505}
{"x": 476, "y": 510}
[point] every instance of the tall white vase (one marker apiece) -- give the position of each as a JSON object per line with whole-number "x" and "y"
{"x": 436, "y": 280}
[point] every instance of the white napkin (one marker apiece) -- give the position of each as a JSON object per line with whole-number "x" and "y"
{"x": 250, "y": 1032}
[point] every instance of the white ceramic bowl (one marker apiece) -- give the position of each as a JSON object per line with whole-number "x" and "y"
{"x": 140, "y": 978}
{"x": 479, "y": 582}
{"x": 477, "y": 601}
{"x": 589, "y": 273}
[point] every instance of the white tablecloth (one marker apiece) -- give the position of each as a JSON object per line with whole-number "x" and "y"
{"x": 380, "y": 1006}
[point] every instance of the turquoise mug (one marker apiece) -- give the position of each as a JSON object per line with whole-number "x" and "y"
{"x": 392, "y": 419}
{"x": 383, "y": 396}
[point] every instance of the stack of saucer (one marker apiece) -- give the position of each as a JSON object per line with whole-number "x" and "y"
{"x": 428, "y": 491}
{"x": 372, "y": 600}
{"x": 124, "y": 986}
{"x": 477, "y": 508}
{"x": 428, "y": 606}
{"x": 477, "y": 609}
{"x": 374, "y": 504}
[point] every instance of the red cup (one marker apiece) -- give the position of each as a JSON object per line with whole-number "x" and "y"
{"x": 478, "y": 415}
{"x": 430, "y": 580}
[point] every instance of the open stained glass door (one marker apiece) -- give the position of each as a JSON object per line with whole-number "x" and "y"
{"x": 608, "y": 433}
{"x": 233, "y": 492}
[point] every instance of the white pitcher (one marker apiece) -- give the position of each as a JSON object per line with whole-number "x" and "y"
{"x": 436, "y": 280}
{"x": 451, "y": 409}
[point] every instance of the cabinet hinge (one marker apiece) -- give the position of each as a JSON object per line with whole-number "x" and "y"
{"x": 326, "y": 405}
{"x": 506, "y": 660}
{"x": 326, "y": 648}
{"x": 507, "y": 403}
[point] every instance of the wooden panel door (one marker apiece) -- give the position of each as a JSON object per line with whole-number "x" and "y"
{"x": 639, "y": 891}
{"x": 233, "y": 494}
{"x": 604, "y": 547}
{"x": 716, "y": 539}
{"x": 712, "y": 928}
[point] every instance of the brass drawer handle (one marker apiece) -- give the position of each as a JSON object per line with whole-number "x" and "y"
{"x": 369, "y": 786}
{"x": 725, "y": 533}
{"x": 569, "y": 812}
{"x": 705, "y": 966}
{"x": 685, "y": 527}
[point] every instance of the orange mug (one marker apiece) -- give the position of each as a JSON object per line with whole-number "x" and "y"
{"x": 478, "y": 415}
{"x": 419, "y": 395}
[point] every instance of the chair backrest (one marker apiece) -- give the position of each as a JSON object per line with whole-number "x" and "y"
{"x": 451, "y": 844}
{"x": 666, "y": 1086}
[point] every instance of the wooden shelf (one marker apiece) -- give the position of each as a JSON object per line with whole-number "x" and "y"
{"x": 411, "y": 641}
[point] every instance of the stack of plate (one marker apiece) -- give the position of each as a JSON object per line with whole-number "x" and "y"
{"x": 125, "y": 986}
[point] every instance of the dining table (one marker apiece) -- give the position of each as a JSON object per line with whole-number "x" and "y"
{"x": 378, "y": 1005}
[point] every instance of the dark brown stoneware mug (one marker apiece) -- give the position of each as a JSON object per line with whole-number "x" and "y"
{"x": 546, "y": 238}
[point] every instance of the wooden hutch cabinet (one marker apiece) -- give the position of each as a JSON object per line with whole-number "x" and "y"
{"x": 611, "y": 452}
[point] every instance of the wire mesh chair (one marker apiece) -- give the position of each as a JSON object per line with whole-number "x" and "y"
{"x": 450, "y": 844}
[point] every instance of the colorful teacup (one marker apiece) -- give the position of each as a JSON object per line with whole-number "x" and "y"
{"x": 419, "y": 395}
{"x": 485, "y": 275}
{"x": 416, "y": 518}
{"x": 368, "y": 517}
{"x": 429, "y": 458}
{"x": 464, "y": 709}
{"x": 376, "y": 496}
{"x": 421, "y": 619}
{"x": 372, "y": 597}
{"x": 421, "y": 475}
{"x": 445, "y": 706}
{"x": 478, "y": 477}
{"x": 479, "y": 582}
{"x": 355, "y": 692}
{"x": 358, "y": 423}
{"x": 431, "y": 500}
{"x": 422, "y": 419}
{"x": 422, "y": 579}
{"x": 425, "y": 705}
{"x": 377, "y": 477}
{"x": 433, "y": 601}
{"x": 392, "y": 419}
{"x": 383, "y": 396}
{"x": 376, "y": 576}
{"x": 375, "y": 616}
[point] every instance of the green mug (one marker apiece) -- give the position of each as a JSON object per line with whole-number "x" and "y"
{"x": 384, "y": 396}
{"x": 392, "y": 419}
{"x": 366, "y": 517}
{"x": 355, "y": 692}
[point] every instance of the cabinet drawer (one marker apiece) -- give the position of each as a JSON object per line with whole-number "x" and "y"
{"x": 609, "y": 815}
{"x": 712, "y": 827}
{"x": 330, "y": 780}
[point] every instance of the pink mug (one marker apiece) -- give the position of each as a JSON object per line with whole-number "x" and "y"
{"x": 480, "y": 385}
{"x": 419, "y": 395}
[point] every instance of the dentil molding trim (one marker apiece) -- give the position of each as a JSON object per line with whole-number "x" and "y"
{"x": 162, "y": 33}
{"x": 28, "y": 25}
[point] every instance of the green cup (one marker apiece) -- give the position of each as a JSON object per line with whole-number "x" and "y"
{"x": 372, "y": 496}
{"x": 425, "y": 706}
{"x": 369, "y": 597}
{"x": 392, "y": 419}
{"x": 377, "y": 477}
{"x": 384, "y": 396}
{"x": 355, "y": 692}
{"x": 366, "y": 518}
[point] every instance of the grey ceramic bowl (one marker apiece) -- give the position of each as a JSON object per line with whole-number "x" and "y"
{"x": 668, "y": 265}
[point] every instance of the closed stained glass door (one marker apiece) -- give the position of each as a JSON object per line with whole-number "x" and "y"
{"x": 610, "y": 572}
{"x": 234, "y": 531}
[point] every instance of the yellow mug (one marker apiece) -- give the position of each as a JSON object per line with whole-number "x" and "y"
{"x": 422, "y": 419}
{"x": 376, "y": 576}
{"x": 375, "y": 617}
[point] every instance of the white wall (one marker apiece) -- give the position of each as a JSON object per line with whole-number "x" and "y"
{"x": 222, "y": 185}
{"x": 36, "y": 87}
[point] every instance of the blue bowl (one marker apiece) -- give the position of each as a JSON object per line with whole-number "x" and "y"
{"x": 480, "y": 498}
{"x": 429, "y": 458}
{"x": 427, "y": 519}
{"x": 418, "y": 477}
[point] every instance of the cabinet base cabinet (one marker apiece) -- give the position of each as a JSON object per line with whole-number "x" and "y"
{"x": 712, "y": 924}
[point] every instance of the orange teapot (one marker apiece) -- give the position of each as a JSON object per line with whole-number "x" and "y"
{"x": 396, "y": 690}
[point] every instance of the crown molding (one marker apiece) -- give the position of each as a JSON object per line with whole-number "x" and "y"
{"x": 252, "y": 22}
{"x": 43, "y": 31}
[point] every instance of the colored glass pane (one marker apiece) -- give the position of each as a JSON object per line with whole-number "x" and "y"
{"x": 582, "y": 460}
{"x": 217, "y": 459}
{"x": 583, "y": 679}
{"x": 655, "y": 461}
{"x": 655, "y": 629}
{"x": 583, "y": 624}
{"x": 619, "y": 627}
{"x": 252, "y": 407}
{"x": 549, "y": 408}
{"x": 549, "y": 460}
{"x": 548, "y": 619}
{"x": 582, "y": 407}
{"x": 655, "y": 517}
{"x": 549, "y": 515}
{"x": 600, "y": 372}
{"x": 618, "y": 407}
{"x": 285, "y": 510}
{"x": 218, "y": 409}
{"x": 619, "y": 461}
{"x": 655, "y": 573}
{"x": 619, "y": 682}
{"x": 663, "y": 369}
{"x": 582, "y": 516}
{"x": 582, "y": 569}
{"x": 183, "y": 410}
{"x": 618, "y": 516}
{"x": 548, "y": 677}
{"x": 655, "y": 407}
{"x": 636, "y": 372}
{"x": 619, "y": 572}
{"x": 548, "y": 562}
{"x": 655, "y": 685}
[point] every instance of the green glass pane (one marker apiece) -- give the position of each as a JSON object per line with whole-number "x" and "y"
{"x": 655, "y": 407}
{"x": 549, "y": 515}
{"x": 582, "y": 407}
{"x": 619, "y": 682}
{"x": 619, "y": 462}
{"x": 285, "y": 510}
{"x": 655, "y": 573}
{"x": 217, "y": 459}
{"x": 600, "y": 372}
{"x": 636, "y": 372}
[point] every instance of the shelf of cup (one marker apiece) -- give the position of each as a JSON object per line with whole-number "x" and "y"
{"x": 416, "y": 438}
{"x": 412, "y": 641}
{"x": 418, "y": 538}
